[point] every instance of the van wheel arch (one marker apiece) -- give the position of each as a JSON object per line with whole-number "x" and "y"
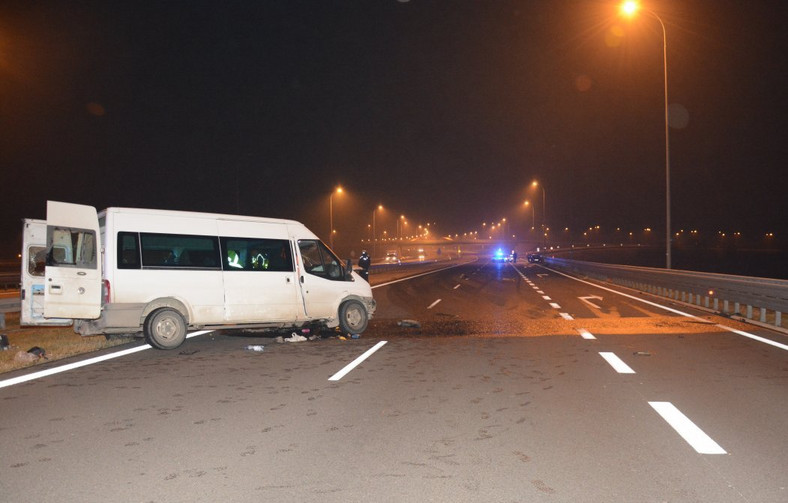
{"x": 170, "y": 302}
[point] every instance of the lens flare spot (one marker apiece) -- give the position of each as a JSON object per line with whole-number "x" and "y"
{"x": 583, "y": 83}
{"x": 95, "y": 109}
{"x": 678, "y": 116}
{"x": 613, "y": 36}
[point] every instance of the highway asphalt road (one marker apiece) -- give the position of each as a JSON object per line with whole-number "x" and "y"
{"x": 521, "y": 384}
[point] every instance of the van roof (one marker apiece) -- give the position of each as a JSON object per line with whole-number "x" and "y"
{"x": 180, "y": 213}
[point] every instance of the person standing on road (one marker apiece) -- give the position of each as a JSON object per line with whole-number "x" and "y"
{"x": 364, "y": 262}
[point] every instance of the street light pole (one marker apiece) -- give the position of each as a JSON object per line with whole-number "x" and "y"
{"x": 629, "y": 8}
{"x": 374, "y": 240}
{"x": 331, "y": 216}
{"x": 544, "y": 212}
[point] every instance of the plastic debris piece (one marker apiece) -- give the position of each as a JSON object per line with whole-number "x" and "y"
{"x": 294, "y": 337}
{"x": 641, "y": 353}
{"x": 355, "y": 336}
{"x": 255, "y": 347}
{"x": 409, "y": 323}
{"x": 342, "y": 338}
{"x": 4, "y": 345}
{"x": 25, "y": 357}
{"x": 280, "y": 339}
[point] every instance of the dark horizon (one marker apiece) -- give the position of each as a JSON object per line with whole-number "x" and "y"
{"x": 441, "y": 111}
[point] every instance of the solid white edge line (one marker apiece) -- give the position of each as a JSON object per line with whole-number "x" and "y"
{"x": 417, "y": 275}
{"x": 676, "y": 311}
{"x": 616, "y": 362}
{"x": 433, "y": 304}
{"x": 350, "y": 366}
{"x": 694, "y": 436}
{"x": 756, "y": 337}
{"x": 585, "y": 334}
{"x": 83, "y": 363}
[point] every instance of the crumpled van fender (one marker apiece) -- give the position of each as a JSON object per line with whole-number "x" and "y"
{"x": 367, "y": 302}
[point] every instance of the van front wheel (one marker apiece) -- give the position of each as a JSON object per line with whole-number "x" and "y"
{"x": 353, "y": 317}
{"x": 165, "y": 328}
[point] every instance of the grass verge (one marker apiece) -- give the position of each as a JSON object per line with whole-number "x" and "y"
{"x": 59, "y": 343}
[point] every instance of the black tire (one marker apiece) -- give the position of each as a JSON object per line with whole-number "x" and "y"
{"x": 165, "y": 328}
{"x": 353, "y": 317}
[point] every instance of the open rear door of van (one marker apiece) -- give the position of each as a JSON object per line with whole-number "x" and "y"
{"x": 72, "y": 286}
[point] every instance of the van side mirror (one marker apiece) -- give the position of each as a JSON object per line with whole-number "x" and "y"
{"x": 348, "y": 270}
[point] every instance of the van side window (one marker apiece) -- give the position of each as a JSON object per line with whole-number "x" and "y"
{"x": 179, "y": 251}
{"x": 319, "y": 260}
{"x": 250, "y": 254}
{"x": 128, "y": 250}
{"x": 71, "y": 247}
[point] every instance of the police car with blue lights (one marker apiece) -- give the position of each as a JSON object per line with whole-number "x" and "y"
{"x": 500, "y": 256}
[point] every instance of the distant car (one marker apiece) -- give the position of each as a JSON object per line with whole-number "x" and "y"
{"x": 535, "y": 258}
{"x": 392, "y": 257}
{"x": 421, "y": 254}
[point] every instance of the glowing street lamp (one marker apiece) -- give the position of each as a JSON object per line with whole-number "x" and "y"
{"x": 401, "y": 223}
{"x": 629, "y": 9}
{"x": 374, "y": 240}
{"x": 332, "y": 231}
{"x": 544, "y": 209}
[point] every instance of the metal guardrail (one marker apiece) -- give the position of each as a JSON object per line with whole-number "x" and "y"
{"x": 9, "y": 281}
{"x": 717, "y": 292}
{"x": 11, "y": 305}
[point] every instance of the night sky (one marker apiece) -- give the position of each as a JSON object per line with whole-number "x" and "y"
{"x": 443, "y": 111}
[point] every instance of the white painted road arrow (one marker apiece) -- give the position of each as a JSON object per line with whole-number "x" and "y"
{"x": 587, "y": 301}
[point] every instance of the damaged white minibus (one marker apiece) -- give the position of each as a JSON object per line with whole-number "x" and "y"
{"x": 160, "y": 273}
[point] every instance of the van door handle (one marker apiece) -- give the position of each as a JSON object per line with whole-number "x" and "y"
{"x": 302, "y": 279}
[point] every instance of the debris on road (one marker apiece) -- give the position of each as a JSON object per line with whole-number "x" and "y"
{"x": 255, "y": 347}
{"x": 409, "y": 323}
{"x": 38, "y": 352}
{"x": 294, "y": 337}
{"x": 641, "y": 353}
{"x": 25, "y": 357}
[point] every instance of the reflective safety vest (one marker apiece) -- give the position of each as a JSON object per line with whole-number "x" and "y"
{"x": 233, "y": 260}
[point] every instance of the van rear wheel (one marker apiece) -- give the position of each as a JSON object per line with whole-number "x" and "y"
{"x": 353, "y": 318}
{"x": 165, "y": 328}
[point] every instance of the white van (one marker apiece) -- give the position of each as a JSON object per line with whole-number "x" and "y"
{"x": 158, "y": 272}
